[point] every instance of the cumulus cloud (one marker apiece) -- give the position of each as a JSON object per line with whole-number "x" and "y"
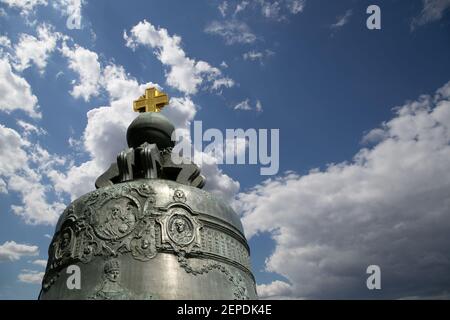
{"x": 184, "y": 74}
{"x": 85, "y": 63}
{"x": 31, "y": 49}
{"x": 232, "y": 31}
{"x": 15, "y": 92}
{"x": 389, "y": 206}
{"x": 3, "y": 188}
{"x": 432, "y": 10}
{"x": 12, "y": 154}
{"x": 275, "y": 290}
{"x": 23, "y": 166}
{"x": 12, "y": 251}
{"x": 68, "y": 8}
{"x": 5, "y": 42}
{"x": 26, "y": 7}
{"x": 217, "y": 182}
{"x": 31, "y": 276}
{"x": 40, "y": 262}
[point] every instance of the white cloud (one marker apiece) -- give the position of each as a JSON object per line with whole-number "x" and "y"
{"x": 222, "y": 83}
{"x": 342, "y": 20}
{"x": 35, "y": 50}
{"x": 70, "y": 9}
{"x": 270, "y": 9}
{"x": 29, "y": 128}
{"x": 296, "y": 6}
{"x": 243, "y": 105}
{"x": 35, "y": 208}
{"x": 241, "y": 7}
{"x": 40, "y": 262}
{"x": 181, "y": 112}
{"x": 26, "y": 7}
{"x": 12, "y": 154}
{"x": 258, "y": 55}
{"x": 223, "y": 8}
{"x": 23, "y": 166}
{"x": 184, "y": 74}
{"x": 12, "y": 251}
{"x": 252, "y": 55}
{"x": 3, "y": 188}
{"x": 232, "y": 31}
{"x": 85, "y": 63}
{"x": 5, "y": 42}
{"x": 432, "y": 10}
{"x": 258, "y": 106}
{"x": 374, "y": 136}
{"x": 15, "y": 92}
{"x": 388, "y": 206}
{"x": 218, "y": 182}
{"x": 31, "y": 276}
{"x": 275, "y": 290}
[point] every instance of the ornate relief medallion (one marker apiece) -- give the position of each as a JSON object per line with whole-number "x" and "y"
{"x": 180, "y": 229}
{"x": 64, "y": 244}
{"x": 117, "y": 218}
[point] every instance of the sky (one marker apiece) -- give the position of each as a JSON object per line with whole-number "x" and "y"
{"x": 364, "y": 120}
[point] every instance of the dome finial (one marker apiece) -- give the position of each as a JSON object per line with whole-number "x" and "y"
{"x": 152, "y": 101}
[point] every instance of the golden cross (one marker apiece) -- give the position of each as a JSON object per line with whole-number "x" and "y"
{"x": 151, "y": 101}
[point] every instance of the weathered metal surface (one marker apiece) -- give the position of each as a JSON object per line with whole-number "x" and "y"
{"x": 150, "y": 239}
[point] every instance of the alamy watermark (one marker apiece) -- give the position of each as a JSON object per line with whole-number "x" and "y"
{"x": 374, "y": 280}
{"x": 74, "y": 15}
{"x": 236, "y": 146}
{"x": 373, "y": 22}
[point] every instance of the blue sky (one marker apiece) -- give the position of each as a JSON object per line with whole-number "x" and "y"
{"x": 363, "y": 116}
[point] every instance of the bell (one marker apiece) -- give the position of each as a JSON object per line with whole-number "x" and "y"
{"x": 149, "y": 231}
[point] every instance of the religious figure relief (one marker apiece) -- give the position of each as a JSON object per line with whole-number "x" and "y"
{"x": 117, "y": 220}
{"x": 181, "y": 229}
{"x": 63, "y": 246}
{"x": 110, "y": 288}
